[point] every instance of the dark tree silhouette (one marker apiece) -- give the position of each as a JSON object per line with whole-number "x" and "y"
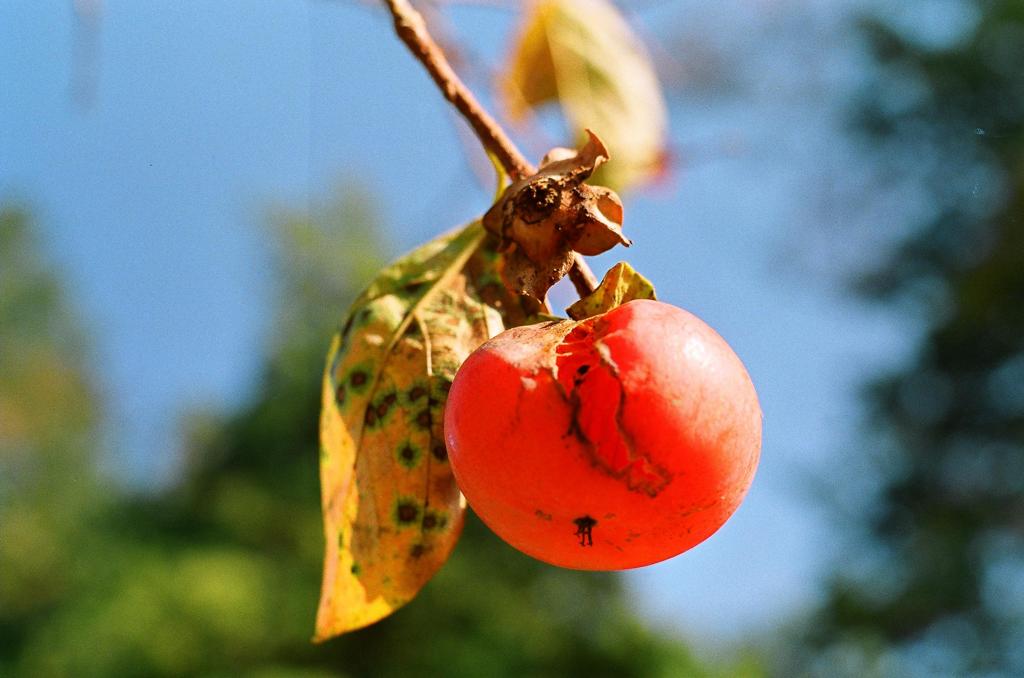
{"x": 945, "y": 592}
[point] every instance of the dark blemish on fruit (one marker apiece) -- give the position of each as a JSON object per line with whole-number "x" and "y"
{"x": 584, "y": 530}
{"x": 355, "y": 569}
{"x": 417, "y": 550}
{"x": 358, "y": 378}
{"x": 543, "y": 516}
{"x": 423, "y": 419}
{"x": 439, "y": 451}
{"x": 382, "y": 410}
{"x": 339, "y": 394}
{"x": 412, "y": 287}
{"x": 416, "y": 393}
{"x": 407, "y": 512}
{"x": 370, "y": 417}
{"x": 582, "y": 369}
{"x": 609, "y": 516}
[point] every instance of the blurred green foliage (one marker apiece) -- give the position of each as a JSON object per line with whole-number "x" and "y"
{"x": 941, "y": 586}
{"x": 220, "y": 574}
{"x": 47, "y": 425}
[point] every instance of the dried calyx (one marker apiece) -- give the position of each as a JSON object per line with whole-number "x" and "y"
{"x": 543, "y": 218}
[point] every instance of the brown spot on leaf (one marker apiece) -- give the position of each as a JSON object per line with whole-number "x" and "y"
{"x": 408, "y": 454}
{"x": 384, "y": 405}
{"x": 434, "y": 520}
{"x": 407, "y": 512}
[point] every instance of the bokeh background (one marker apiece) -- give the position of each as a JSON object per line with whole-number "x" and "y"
{"x": 192, "y": 193}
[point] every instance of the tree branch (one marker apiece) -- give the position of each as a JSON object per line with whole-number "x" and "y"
{"x": 582, "y": 278}
{"x": 412, "y": 30}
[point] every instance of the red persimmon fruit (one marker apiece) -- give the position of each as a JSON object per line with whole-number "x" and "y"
{"x": 608, "y": 443}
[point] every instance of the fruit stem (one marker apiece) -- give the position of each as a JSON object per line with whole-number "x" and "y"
{"x": 412, "y": 30}
{"x": 582, "y": 278}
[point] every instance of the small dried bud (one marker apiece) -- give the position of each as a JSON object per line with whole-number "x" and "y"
{"x": 542, "y": 219}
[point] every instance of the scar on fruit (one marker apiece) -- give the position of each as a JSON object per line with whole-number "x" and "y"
{"x": 584, "y": 530}
{"x": 590, "y": 383}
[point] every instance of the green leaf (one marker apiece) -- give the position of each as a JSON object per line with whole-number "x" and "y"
{"x": 583, "y": 55}
{"x": 392, "y": 511}
{"x": 621, "y": 284}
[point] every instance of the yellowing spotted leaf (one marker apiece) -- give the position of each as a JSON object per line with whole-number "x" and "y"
{"x": 392, "y": 511}
{"x": 583, "y": 55}
{"x": 621, "y": 284}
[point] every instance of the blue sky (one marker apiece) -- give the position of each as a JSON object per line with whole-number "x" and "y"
{"x": 153, "y": 193}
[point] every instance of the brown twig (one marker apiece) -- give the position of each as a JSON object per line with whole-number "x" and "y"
{"x": 412, "y": 30}
{"x": 582, "y": 278}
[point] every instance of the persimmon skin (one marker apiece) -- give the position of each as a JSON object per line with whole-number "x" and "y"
{"x": 605, "y": 444}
